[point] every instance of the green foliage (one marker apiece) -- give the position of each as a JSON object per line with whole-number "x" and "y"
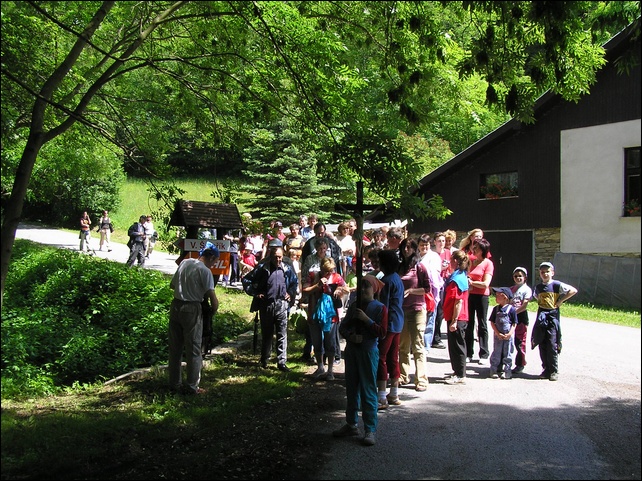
{"x": 197, "y": 77}
{"x": 70, "y": 318}
{"x": 74, "y": 174}
{"x": 282, "y": 173}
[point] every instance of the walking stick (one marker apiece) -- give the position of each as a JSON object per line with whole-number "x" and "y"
{"x": 255, "y": 337}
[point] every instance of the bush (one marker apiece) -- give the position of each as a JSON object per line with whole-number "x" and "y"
{"x": 69, "y": 318}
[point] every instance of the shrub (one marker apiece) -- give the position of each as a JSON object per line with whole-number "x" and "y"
{"x": 70, "y": 318}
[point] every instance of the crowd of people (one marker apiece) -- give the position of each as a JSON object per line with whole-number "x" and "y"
{"x": 410, "y": 286}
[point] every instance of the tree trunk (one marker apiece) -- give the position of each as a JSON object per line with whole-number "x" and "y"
{"x": 13, "y": 209}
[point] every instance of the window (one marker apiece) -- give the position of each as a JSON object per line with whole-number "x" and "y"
{"x": 632, "y": 182}
{"x": 496, "y": 186}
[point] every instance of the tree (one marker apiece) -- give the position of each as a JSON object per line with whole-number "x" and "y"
{"x": 220, "y": 67}
{"x": 282, "y": 170}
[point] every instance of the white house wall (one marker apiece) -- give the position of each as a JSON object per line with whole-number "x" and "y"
{"x": 592, "y": 190}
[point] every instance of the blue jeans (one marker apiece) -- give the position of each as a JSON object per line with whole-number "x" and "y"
{"x": 429, "y": 332}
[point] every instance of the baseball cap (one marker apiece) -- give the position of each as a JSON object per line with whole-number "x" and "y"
{"x": 209, "y": 248}
{"x": 504, "y": 290}
{"x": 278, "y": 224}
{"x": 523, "y": 269}
{"x": 545, "y": 265}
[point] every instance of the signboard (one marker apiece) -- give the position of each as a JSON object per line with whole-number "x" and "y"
{"x": 198, "y": 244}
{"x": 193, "y": 246}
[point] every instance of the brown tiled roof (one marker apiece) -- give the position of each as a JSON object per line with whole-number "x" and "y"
{"x": 192, "y": 213}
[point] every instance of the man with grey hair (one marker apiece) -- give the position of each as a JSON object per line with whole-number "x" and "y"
{"x": 275, "y": 286}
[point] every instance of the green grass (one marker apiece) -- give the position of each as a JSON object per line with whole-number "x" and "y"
{"x": 591, "y": 312}
{"x": 136, "y": 201}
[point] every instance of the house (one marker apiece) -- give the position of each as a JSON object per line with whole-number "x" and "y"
{"x": 561, "y": 189}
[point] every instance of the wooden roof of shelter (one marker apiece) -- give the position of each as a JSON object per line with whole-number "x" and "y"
{"x": 192, "y": 213}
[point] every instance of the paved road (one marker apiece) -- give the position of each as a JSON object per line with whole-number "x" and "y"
{"x": 585, "y": 426}
{"x": 158, "y": 260}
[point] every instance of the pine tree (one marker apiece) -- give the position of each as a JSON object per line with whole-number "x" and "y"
{"x": 283, "y": 170}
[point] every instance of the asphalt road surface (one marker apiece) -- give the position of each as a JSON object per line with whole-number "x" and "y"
{"x": 584, "y": 426}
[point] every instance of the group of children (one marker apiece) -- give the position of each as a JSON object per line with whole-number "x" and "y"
{"x": 509, "y": 321}
{"x": 369, "y": 321}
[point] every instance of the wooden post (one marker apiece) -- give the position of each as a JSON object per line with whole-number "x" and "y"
{"x": 357, "y": 212}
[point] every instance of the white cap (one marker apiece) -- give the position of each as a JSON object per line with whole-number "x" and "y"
{"x": 523, "y": 269}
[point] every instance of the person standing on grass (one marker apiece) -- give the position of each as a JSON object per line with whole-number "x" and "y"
{"x": 362, "y": 327}
{"x": 521, "y": 296}
{"x": 547, "y": 334}
{"x": 276, "y": 289}
{"x": 192, "y": 282}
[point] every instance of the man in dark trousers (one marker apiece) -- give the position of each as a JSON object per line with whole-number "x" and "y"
{"x": 136, "y": 242}
{"x": 276, "y": 286}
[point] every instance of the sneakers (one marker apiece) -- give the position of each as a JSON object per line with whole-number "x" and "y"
{"x": 544, "y": 374}
{"x": 284, "y": 368}
{"x": 518, "y": 369}
{"x": 439, "y": 345}
{"x": 494, "y": 376}
{"x": 483, "y": 362}
{"x": 369, "y": 439}
{"x": 505, "y": 375}
{"x": 318, "y": 373}
{"x": 393, "y": 400}
{"x": 554, "y": 376}
{"x": 329, "y": 377}
{"x": 456, "y": 380}
{"x": 382, "y": 404}
{"x": 346, "y": 430}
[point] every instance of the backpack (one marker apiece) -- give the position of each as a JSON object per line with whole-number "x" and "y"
{"x": 324, "y": 312}
{"x": 133, "y": 230}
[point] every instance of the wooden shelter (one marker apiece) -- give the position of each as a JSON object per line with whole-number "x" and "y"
{"x": 195, "y": 215}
